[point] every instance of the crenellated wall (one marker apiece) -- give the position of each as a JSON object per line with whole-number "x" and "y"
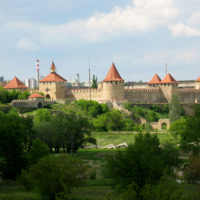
{"x": 189, "y": 95}
{"x": 96, "y": 94}
{"x": 143, "y": 95}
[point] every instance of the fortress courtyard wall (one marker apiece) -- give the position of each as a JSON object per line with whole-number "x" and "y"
{"x": 144, "y": 95}
{"x": 189, "y": 95}
{"x": 96, "y": 94}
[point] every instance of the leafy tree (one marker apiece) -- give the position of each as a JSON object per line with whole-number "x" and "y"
{"x": 39, "y": 150}
{"x": 174, "y": 109}
{"x": 127, "y": 105}
{"x": 137, "y": 111}
{"x": 151, "y": 116}
{"x": 165, "y": 109}
{"x": 142, "y": 162}
{"x": 155, "y": 108}
{"x": 42, "y": 115}
{"x": 54, "y": 175}
{"x": 94, "y": 82}
{"x": 192, "y": 171}
{"x": 177, "y": 127}
{"x": 12, "y": 131}
{"x": 190, "y": 133}
{"x": 129, "y": 124}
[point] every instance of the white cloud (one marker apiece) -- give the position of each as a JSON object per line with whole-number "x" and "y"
{"x": 143, "y": 15}
{"x": 26, "y": 44}
{"x": 181, "y": 29}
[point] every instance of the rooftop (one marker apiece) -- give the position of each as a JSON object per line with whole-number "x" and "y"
{"x": 15, "y": 83}
{"x": 169, "y": 79}
{"x": 156, "y": 79}
{"x": 36, "y": 95}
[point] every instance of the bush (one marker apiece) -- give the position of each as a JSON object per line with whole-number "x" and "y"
{"x": 155, "y": 108}
{"x": 129, "y": 124}
{"x": 165, "y": 109}
{"x": 137, "y": 111}
{"x": 93, "y": 174}
{"x": 24, "y": 179}
{"x": 127, "y": 105}
{"x": 57, "y": 174}
{"x": 151, "y": 116}
{"x": 39, "y": 150}
{"x": 192, "y": 171}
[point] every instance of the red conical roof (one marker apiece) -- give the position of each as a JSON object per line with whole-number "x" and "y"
{"x": 53, "y": 76}
{"x": 113, "y": 74}
{"x": 52, "y": 65}
{"x": 198, "y": 80}
{"x": 35, "y": 95}
{"x": 15, "y": 83}
{"x": 155, "y": 80}
{"x": 168, "y": 79}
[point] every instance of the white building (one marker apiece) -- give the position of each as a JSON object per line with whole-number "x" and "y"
{"x": 86, "y": 83}
{"x": 31, "y": 83}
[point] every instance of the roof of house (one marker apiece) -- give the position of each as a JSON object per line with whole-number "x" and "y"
{"x": 35, "y": 95}
{"x": 15, "y": 83}
{"x": 53, "y": 76}
{"x": 156, "y": 79}
{"x": 113, "y": 74}
{"x": 198, "y": 80}
{"x": 169, "y": 79}
{"x": 53, "y": 66}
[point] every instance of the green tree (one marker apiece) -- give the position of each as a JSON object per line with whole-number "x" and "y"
{"x": 190, "y": 136}
{"x": 174, "y": 109}
{"x": 94, "y": 82}
{"x": 165, "y": 109}
{"x": 39, "y": 150}
{"x": 142, "y": 162}
{"x": 42, "y": 115}
{"x": 54, "y": 175}
{"x": 12, "y": 131}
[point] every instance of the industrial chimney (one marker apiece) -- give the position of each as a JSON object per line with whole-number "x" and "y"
{"x": 166, "y": 68}
{"x": 37, "y": 66}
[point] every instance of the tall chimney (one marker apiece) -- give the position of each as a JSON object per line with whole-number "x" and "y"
{"x": 37, "y": 66}
{"x": 166, "y": 68}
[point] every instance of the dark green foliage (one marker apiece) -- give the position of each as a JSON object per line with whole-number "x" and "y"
{"x": 38, "y": 150}
{"x": 155, "y": 108}
{"x": 151, "y": 116}
{"x": 12, "y": 131}
{"x": 182, "y": 111}
{"x": 24, "y": 179}
{"x": 142, "y": 162}
{"x": 94, "y": 82}
{"x": 92, "y": 108}
{"x": 55, "y": 175}
{"x": 129, "y": 125}
{"x": 167, "y": 189}
{"x": 137, "y": 111}
{"x": 165, "y": 109}
{"x": 190, "y": 133}
{"x": 177, "y": 127}
{"x": 93, "y": 174}
{"x": 42, "y": 115}
{"x": 174, "y": 109}
{"x": 127, "y": 105}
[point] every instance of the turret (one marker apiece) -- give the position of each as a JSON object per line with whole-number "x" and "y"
{"x": 168, "y": 86}
{"x": 155, "y": 81}
{"x": 198, "y": 83}
{"x": 113, "y": 85}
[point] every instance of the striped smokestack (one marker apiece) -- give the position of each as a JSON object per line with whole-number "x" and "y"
{"x": 37, "y": 66}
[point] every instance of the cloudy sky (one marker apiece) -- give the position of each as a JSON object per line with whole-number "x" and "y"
{"x": 140, "y": 36}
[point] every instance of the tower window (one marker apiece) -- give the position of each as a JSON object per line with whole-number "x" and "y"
{"x": 116, "y": 82}
{"x": 111, "y": 81}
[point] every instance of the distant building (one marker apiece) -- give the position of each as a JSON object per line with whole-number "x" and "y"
{"x": 86, "y": 83}
{"x": 31, "y": 83}
{"x": 41, "y": 77}
{"x": 2, "y": 78}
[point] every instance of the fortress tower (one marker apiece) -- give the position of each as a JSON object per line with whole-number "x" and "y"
{"x": 198, "y": 83}
{"x": 168, "y": 86}
{"x": 113, "y": 85}
{"x": 155, "y": 81}
{"x": 53, "y": 85}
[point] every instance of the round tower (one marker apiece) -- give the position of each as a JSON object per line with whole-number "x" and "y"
{"x": 198, "y": 83}
{"x": 113, "y": 85}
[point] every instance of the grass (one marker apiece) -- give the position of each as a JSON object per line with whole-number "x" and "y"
{"x": 105, "y": 138}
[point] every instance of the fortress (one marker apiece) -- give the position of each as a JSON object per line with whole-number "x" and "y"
{"x": 112, "y": 89}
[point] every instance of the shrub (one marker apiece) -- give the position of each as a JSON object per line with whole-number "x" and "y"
{"x": 165, "y": 109}
{"x": 129, "y": 124}
{"x": 127, "y": 105}
{"x": 24, "y": 179}
{"x": 155, "y": 108}
{"x": 39, "y": 150}
{"x": 151, "y": 116}
{"x": 57, "y": 174}
{"x": 137, "y": 111}
{"x": 148, "y": 127}
{"x": 93, "y": 174}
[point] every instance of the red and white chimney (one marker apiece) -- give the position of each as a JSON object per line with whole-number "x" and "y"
{"x": 37, "y": 66}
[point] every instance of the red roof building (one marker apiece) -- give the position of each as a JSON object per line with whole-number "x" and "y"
{"x": 35, "y": 95}
{"x": 168, "y": 79}
{"x": 155, "y": 80}
{"x": 15, "y": 83}
{"x": 113, "y": 74}
{"x": 198, "y": 80}
{"x": 53, "y": 76}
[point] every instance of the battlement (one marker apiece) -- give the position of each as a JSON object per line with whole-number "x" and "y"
{"x": 84, "y": 91}
{"x": 141, "y": 90}
{"x": 188, "y": 90}
{"x": 113, "y": 101}
{"x": 22, "y": 100}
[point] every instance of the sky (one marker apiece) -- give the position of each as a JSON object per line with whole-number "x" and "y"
{"x": 139, "y": 36}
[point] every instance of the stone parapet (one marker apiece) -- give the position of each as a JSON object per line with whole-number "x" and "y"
{"x": 188, "y": 90}
{"x": 141, "y": 90}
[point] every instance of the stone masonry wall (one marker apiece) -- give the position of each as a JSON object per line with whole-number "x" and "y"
{"x": 189, "y": 95}
{"x": 142, "y": 95}
{"x": 96, "y": 94}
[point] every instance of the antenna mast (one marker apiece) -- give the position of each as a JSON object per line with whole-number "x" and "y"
{"x": 89, "y": 81}
{"x": 78, "y": 79}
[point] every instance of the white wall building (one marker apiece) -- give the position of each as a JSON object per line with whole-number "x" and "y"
{"x": 31, "y": 83}
{"x": 86, "y": 83}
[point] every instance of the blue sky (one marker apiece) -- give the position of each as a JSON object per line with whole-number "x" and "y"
{"x": 140, "y": 36}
